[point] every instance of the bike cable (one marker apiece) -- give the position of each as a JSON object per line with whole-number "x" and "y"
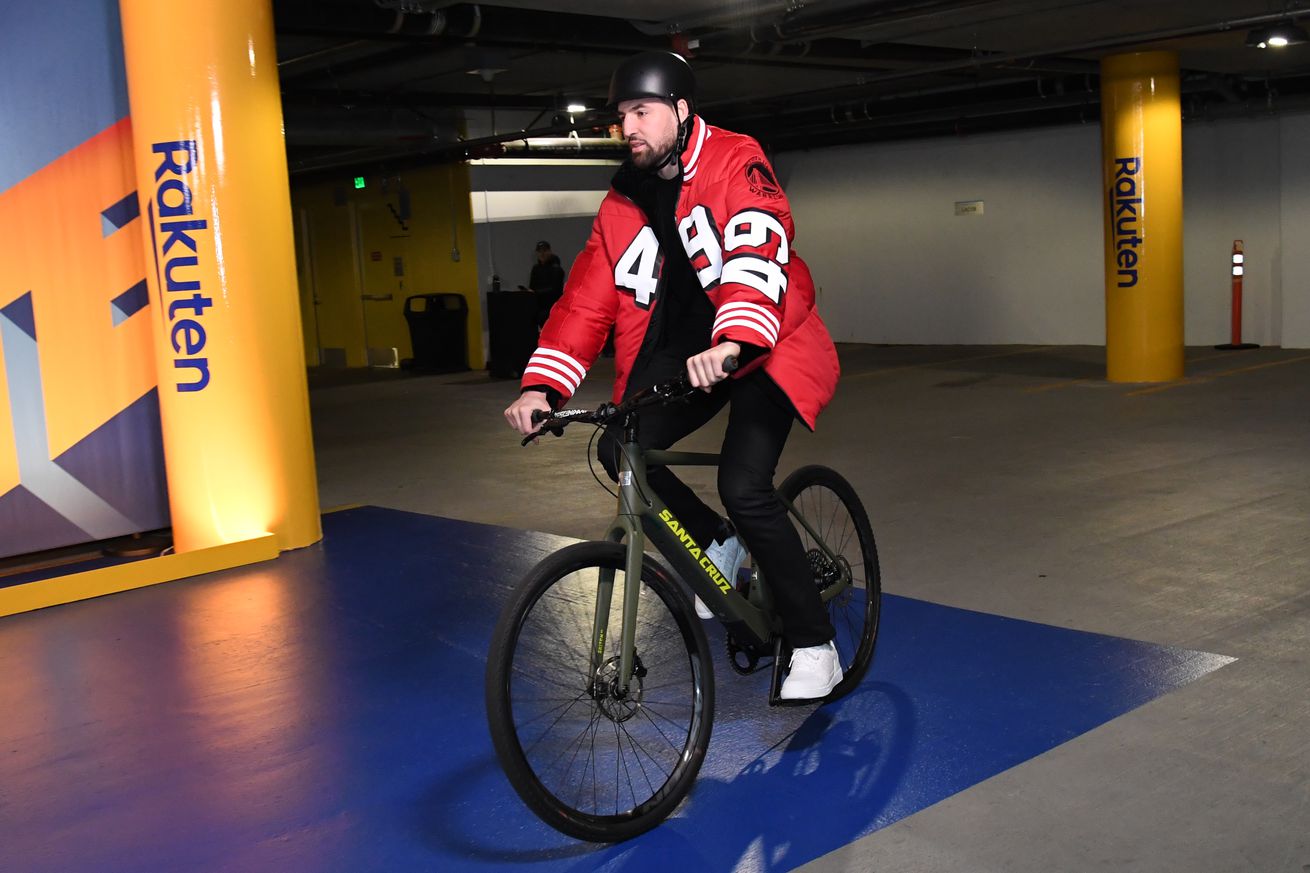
{"x": 600, "y": 429}
{"x": 592, "y": 467}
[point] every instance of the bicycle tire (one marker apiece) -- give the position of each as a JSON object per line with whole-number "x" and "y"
{"x": 552, "y": 602}
{"x": 816, "y": 491}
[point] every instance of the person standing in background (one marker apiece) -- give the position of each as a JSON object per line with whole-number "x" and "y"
{"x": 546, "y": 281}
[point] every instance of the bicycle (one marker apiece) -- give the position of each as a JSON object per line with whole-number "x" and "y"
{"x": 603, "y": 741}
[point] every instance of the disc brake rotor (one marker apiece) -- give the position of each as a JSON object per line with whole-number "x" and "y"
{"x": 616, "y": 703}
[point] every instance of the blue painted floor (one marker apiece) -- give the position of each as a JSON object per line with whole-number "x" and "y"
{"x": 324, "y": 713}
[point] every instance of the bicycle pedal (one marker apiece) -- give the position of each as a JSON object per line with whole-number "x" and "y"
{"x": 775, "y": 683}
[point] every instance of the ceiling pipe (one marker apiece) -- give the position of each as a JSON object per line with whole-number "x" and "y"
{"x": 807, "y": 139}
{"x": 996, "y": 59}
{"x": 720, "y": 17}
{"x": 432, "y": 150}
{"x": 1268, "y": 104}
{"x": 366, "y": 124}
{"x": 318, "y": 54}
{"x": 849, "y": 57}
{"x": 414, "y": 7}
{"x": 858, "y": 114}
{"x": 577, "y": 143}
{"x": 797, "y": 12}
{"x": 417, "y": 100}
{"x": 950, "y": 127}
{"x": 309, "y": 18}
{"x": 564, "y": 146}
{"x": 1012, "y": 116}
{"x": 857, "y": 117}
{"x": 531, "y": 29}
{"x": 501, "y": 27}
{"x": 982, "y": 87}
{"x": 472, "y": 21}
{"x": 984, "y": 110}
{"x": 821, "y": 24}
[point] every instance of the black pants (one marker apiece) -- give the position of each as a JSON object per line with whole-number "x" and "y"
{"x": 757, "y": 431}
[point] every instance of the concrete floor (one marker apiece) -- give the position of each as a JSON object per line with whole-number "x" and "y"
{"x": 1014, "y": 481}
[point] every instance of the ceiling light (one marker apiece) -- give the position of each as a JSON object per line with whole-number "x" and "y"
{"x": 576, "y": 107}
{"x": 487, "y": 73}
{"x": 1284, "y": 33}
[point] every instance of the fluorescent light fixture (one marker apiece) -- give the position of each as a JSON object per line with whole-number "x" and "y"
{"x": 576, "y": 107}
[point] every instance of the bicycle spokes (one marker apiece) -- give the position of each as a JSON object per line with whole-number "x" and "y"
{"x": 843, "y": 560}
{"x": 590, "y": 743}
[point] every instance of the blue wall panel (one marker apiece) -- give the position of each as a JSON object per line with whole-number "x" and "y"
{"x": 61, "y": 80}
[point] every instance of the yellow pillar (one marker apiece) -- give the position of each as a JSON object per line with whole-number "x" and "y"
{"x": 1142, "y": 144}
{"x": 212, "y": 181}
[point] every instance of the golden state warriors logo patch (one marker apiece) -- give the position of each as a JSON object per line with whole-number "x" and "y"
{"x": 760, "y": 179}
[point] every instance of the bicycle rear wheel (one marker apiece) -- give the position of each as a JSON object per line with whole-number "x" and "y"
{"x": 834, "y": 512}
{"x": 591, "y": 760}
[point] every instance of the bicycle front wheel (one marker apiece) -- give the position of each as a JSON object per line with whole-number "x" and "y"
{"x": 592, "y": 759}
{"x": 838, "y": 541}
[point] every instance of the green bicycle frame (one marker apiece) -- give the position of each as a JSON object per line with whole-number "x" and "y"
{"x": 643, "y": 515}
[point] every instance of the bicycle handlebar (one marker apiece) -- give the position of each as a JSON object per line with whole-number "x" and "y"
{"x": 671, "y": 391}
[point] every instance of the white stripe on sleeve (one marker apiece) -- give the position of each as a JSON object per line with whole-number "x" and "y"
{"x": 754, "y": 310}
{"x": 769, "y": 339}
{"x": 553, "y": 375}
{"x": 569, "y": 363}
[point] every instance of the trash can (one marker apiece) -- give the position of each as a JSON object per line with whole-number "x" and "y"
{"x": 438, "y": 330}
{"x": 512, "y": 323}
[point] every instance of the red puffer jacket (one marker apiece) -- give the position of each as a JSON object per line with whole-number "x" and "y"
{"x": 736, "y": 227}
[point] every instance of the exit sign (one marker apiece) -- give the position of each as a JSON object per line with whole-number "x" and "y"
{"x": 359, "y": 182}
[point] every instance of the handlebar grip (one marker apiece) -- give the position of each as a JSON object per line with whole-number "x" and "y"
{"x": 730, "y": 364}
{"x": 538, "y": 417}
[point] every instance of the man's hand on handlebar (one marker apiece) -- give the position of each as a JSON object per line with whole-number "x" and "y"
{"x": 531, "y": 414}
{"x": 519, "y": 413}
{"x": 706, "y": 369}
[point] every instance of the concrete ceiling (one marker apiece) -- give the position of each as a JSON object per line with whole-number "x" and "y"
{"x": 368, "y": 82}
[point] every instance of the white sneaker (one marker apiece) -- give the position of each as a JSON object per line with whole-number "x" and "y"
{"x": 815, "y": 671}
{"x": 728, "y": 556}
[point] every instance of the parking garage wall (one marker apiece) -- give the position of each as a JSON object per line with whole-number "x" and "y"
{"x": 1294, "y": 228}
{"x": 517, "y": 203}
{"x": 879, "y": 227}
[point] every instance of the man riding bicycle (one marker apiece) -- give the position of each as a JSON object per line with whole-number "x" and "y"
{"x": 690, "y": 262}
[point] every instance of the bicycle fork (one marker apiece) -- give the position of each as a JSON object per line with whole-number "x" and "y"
{"x": 626, "y": 529}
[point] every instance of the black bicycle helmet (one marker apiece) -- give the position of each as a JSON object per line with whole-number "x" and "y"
{"x": 660, "y": 74}
{"x": 663, "y": 75}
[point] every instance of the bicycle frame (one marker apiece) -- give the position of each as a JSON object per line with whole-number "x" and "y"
{"x": 643, "y": 515}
